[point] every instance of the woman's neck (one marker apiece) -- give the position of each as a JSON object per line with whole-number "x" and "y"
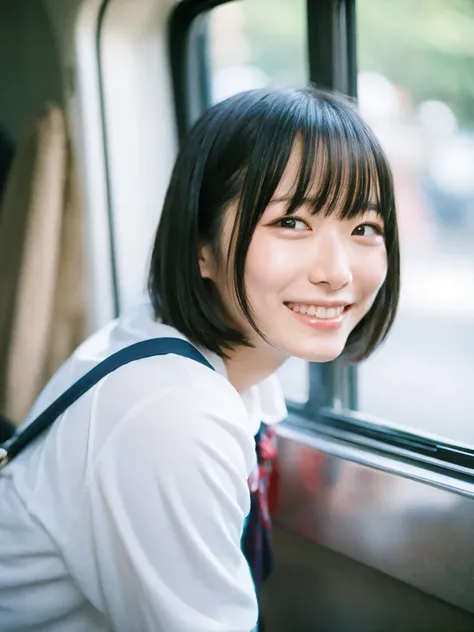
{"x": 247, "y": 366}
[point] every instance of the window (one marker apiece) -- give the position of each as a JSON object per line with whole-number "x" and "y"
{"x": 255, "y": 43}
{"x": 415, "y": 89}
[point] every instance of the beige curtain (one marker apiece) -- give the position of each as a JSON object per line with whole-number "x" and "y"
{"x": 41, "y": 265}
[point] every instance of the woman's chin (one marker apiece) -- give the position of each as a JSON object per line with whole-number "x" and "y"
{"x": 322, "y": 352}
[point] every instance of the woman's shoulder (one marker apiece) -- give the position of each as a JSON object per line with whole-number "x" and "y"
{"x": 166, "y": 381}
{"x": 162, "y": 383}
{"x": 154, "y": 371}
{"x": 180, "y": 421}
{"x": 152, "y": 412}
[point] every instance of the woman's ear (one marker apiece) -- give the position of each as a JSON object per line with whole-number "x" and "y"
{"x": 207, "y": 263}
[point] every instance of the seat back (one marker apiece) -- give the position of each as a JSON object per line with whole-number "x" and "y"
{"x": 41, "y": 267}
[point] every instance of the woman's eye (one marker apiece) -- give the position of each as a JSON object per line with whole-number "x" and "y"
{"x": 367, "y": 230}
{"x": 292, "y": 223}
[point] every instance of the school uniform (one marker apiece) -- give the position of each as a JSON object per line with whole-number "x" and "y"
{"x": 128, "y": 513}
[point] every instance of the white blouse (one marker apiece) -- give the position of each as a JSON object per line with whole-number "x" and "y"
{"x": 128, "y": 513}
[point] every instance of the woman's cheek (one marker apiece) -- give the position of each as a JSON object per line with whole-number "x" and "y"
{"x": 370, "y": 272}
{"x": 271, "y": 264}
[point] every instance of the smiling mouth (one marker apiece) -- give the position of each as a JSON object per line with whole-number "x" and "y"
{"x": 319, "y": 312}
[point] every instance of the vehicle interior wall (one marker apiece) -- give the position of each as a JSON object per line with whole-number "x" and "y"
{"x": 314, "y": 588}
{"x": 140, "y": 131}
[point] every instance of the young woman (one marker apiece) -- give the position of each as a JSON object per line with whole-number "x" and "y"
{"x": 277, "y": 238}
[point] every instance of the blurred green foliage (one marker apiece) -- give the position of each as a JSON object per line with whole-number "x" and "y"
{"x": 277, "y": 32}
{"x": 427, "y": 46}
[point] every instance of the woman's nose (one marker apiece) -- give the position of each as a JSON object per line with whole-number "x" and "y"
{"x": 330, "y": 262}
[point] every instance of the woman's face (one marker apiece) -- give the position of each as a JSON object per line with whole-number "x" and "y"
{"x": 309, "y": 279}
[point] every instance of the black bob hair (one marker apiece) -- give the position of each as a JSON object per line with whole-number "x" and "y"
{"x": 238, "y": 151}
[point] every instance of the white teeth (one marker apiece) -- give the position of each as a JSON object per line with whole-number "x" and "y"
{"x": 317, "y": 310}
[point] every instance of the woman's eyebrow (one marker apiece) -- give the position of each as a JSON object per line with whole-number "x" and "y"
{"x": 289, "y": 198}
{"x": 281, "y": 198}
{"x": 371, "y": 206}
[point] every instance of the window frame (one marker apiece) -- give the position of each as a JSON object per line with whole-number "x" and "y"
{"x": 190, "y": 89}
{"x": 331, "y": 408}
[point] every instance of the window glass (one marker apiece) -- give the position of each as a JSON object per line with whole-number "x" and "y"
{"x": 416, "y": 62}
{"x": 252, "y": 44}
{"x": 256, "y": 43}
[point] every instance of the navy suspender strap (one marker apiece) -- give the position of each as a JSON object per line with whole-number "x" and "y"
{"x": 137, "y": 351}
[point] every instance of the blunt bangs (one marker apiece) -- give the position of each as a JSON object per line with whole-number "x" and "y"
{"x": 238, "y": 152}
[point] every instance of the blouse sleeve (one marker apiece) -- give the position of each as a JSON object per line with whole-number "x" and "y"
{"x": 163, "y": 515}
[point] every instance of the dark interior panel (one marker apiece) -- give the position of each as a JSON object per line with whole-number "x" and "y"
{"x": 30, "y": 74}
{"x": 315, "y": 589}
